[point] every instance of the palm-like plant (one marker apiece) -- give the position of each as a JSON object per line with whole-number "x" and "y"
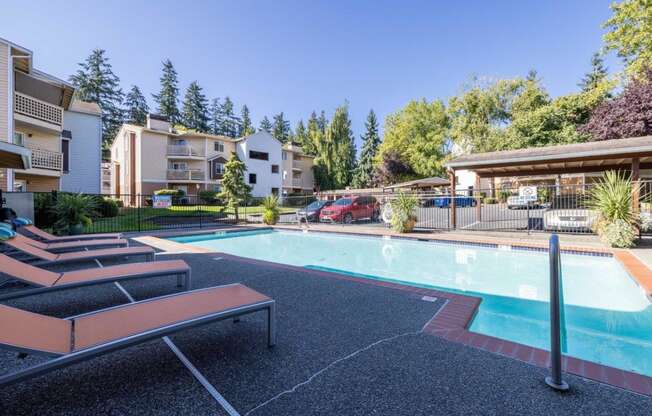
{"x": 403, "y": 212}
{"x": 271, "y": 211}
{"x": 73, "y": 211}
{"x": 611, "y": 197}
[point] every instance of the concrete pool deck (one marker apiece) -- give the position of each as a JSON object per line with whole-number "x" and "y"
{"x": 345, "y": 347}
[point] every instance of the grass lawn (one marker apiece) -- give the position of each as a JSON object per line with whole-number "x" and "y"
{"x": 150, "y": 218}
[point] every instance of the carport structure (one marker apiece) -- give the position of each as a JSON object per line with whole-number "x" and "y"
{"x": 630, "y": 155}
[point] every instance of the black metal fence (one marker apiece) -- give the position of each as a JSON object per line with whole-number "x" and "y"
{"x": 530, "y": 209}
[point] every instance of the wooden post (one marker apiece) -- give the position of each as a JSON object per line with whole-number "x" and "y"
{"x": 453, "y": 204}
{"x": 478, "y": 199}
{"x": 635, "y": 186}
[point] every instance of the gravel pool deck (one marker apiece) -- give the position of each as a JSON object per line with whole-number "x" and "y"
{"x": 344, "y": 348}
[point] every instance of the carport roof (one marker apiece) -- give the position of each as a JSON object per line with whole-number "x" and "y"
{"x": 570, "y": 158}
{"x": 14, "y": 156}
{"x": 421, "y": 183}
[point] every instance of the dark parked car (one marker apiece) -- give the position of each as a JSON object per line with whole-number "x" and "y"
{"x": 311, "y": 212}
{"x": 347, "y": 210}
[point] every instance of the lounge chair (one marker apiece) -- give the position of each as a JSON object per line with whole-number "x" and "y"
{"x": 77, "y": 256}
{"x": 83, "y": 337}
{"x": 49, "y": 238}
{"x": 70, "y": 245}
{"x": 47, "y": 281}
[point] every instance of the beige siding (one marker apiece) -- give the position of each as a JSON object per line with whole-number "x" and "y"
{"x": 39, "y": 183}
{"x": 229, "y": 147}
{"x": 153, "y": 160}
{"x": 4, "y": 92}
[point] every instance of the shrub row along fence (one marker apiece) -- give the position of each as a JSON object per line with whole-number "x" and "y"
{"x": 531, "y": 209}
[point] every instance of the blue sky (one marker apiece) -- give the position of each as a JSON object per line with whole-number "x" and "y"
{"x": 296, "y": 56}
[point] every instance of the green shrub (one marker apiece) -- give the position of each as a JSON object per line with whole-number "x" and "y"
{"x": 403, "y": 208}
{"x": 611, "y": 197}
{"x": 176, "y": 194}
{"x": 73, "y": 210}
{"x": 490, "y": 200}
{"x": 271, "y": 212}
{"x": 503, "y": 195}
{"x": 107, "y": 207}
{"x": 209, "y": 197}
{"x": 44, "y": 215}
{"x": 618, "y": 233}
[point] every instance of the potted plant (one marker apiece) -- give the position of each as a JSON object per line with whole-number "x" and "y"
{"x": 271, "y": 212}
{"x": 403, "y": 212}
{"x": 73, "y": 211}
{"x": 611, "y": 199}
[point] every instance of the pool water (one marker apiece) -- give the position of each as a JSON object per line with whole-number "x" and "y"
{"x": 608, "y": 317}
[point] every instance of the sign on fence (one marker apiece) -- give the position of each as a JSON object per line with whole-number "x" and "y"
{"x": 528, "y": 192}
{"x": 162, "y": 201}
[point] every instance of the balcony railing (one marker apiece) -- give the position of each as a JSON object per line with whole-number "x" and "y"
{"x": 296, "y": 182}
{"x": 47, "y": 159}
{"x": 296, "y": 165}
{"x": 40, "y": 110}
{"x": 185, "y": 175}
{"x": 183, "y": 150}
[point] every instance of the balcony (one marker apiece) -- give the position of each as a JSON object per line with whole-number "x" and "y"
{"x": 47, "y": 159}
{"x": 296, "y": 182}
{"x": 182, "y": 150}
{"x": 185, "y": 175}
{"x": 34, "y": 111}
{"x": 296, "y": 165}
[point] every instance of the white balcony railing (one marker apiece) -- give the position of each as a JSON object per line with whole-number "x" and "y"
{"x": 296, "y": 165}
{"x": 47, "y": 159}
{"x": 185, "y": 175}
{"x": 296, "y": 181}
{"x": 40, "y": 110}
{"x": 183, "y": 150}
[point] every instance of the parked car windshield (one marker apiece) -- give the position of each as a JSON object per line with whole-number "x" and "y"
{"x": 316, "y": 205}
{"x": 343, "y": 201}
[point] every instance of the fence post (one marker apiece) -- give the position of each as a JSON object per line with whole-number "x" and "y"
{"x": 138, "y": 208}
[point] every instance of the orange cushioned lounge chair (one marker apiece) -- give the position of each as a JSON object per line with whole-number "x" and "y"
{"x": 19, "y": 244}
{"x": 47, "y": 281}
{"x": 71, "y": 245}
{"x": 89, "y": 335}
{"x": 49, "y": 238}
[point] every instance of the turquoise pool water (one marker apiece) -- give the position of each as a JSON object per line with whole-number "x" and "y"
{"x": 608, "y": 317}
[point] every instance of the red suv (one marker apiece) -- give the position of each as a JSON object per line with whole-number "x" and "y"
{"x": 347, "y": 210}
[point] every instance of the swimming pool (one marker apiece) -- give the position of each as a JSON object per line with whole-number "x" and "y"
{"x": 608, "y": 316}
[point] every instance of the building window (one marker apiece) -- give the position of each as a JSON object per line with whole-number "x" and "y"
{"x": 65, "y": 150}
{"x": 178, "y": 166}
{"x": 258, "y": 155}
{"x": 19, "y": 138}
{"x": 274, "y": 168}
{"x": 219, "y": 147}
{"x": 284, "y": 155}
{"x": 217, "y": 187}
{"x": 274, "y": 191}
{"x": 218, "y": 168}
{"x": 252, "y": 178}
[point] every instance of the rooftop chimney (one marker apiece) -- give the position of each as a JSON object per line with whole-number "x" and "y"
{"x": 158, "y": 122}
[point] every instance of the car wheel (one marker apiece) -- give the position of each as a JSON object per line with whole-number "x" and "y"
{"x": 348, "y": 218}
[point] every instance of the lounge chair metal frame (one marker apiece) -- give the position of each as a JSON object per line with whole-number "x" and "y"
{"x": 184, "y": 280}
{"x": 64, "y": 360}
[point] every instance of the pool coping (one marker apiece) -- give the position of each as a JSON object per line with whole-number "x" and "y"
{"x": 453, "y": 319}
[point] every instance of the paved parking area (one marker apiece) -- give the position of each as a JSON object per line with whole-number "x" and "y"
{"x": 344, "y": 348}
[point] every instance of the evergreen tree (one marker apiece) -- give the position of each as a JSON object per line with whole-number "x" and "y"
{"x": 281, "y": 128}
{"x": 315, "y": 135}
{"x": 265, "y": 125}
{"x": 363, "y": 174}
{"x": 195, "y": 108}
{"x": 301, "y": 134}
{"x": 168, "y": 98}
{"x": 136, "y": 107}
{"x": 95, "y": 82}
{"x": 246, "y": 126}
{"x": 230, "y": 122}
{"x": 322, "y": 121}
{"x": 340, "y": 134}
{"x": 215, "y": 117}
{"x": 234, "y": 189}
{"x": 597, "y": 74}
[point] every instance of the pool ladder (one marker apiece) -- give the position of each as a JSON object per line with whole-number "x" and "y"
{"x": 555, "y": 380}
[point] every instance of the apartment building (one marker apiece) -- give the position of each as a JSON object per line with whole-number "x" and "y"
{"x": 297, "y": 170}
{"x": 33, "y": 110}
{"x": 147, "y": 158}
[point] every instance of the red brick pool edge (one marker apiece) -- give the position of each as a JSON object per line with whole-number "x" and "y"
{"x": 452, "y": 320}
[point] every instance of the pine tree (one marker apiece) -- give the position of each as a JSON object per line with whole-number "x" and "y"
{"x": 136, "y": 108}
{"x": 215, "y": 117}
{"x": 168, "y": 98}
{"x": 195, "y": 108}
{"x": 340, "y": 135}
{"x": 234, "y": 188}
{"x": 301, "y": 134}
{"x": 322, "y": 121}
{"x": 281, "y": 128}
{"x": 363, "y": 174}
{"x": 230, "y": 122}
{"x": 246, "y": 126}
{"x": 265, "y": 125}
{"x": 95, "y": 82}
{"x": 597, "y": 74}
